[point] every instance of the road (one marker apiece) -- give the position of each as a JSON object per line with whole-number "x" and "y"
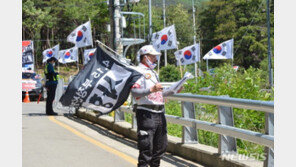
{"x": 63, "y": 140}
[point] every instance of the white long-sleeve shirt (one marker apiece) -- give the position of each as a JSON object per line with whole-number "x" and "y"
{"x": 141, "y": 89}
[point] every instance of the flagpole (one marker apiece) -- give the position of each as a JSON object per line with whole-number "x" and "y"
{"x": 180, "y": 68}
{"x": 232, "y": 52}
{"x": 58, "y": 67}
{"x": 92, "y": 43}
{"x": 158, "y": 65}
{"x": 78, "y": 60}
{"x": 207, "y": 65}
{"x": 82, "y": 56}
{"x": 164, "y": 24}
{"x": 34, "y": 61}
{"x": 199, "y": 63}
{"x": 180, "y": 63}
{"x": 107, "y": 47}
{"x": 194, "y": 37}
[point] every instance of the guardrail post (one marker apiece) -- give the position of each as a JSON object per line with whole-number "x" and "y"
{"x": 118, "y": 116}
{"x": 134, "y": 123}
{"x": 134, "y": 120}
{"x": 226, "y": 144}
{"x": 269, "y": 154}
{"x": 189, "y": 133}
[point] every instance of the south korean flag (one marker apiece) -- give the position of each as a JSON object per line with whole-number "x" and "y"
{"x": 188, "y": 55}
{"x": 165, "y": 39}
{"x": 68, "y": 55}
{"x": 51, "y": 52}
{"x": 88, "y": 55}
{"x": 222, "y": 51}
{"x": 81, "y": 36}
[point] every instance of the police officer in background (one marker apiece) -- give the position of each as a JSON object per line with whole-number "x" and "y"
{"x": 150, "y": 111}
{"x": 50, "y": 84}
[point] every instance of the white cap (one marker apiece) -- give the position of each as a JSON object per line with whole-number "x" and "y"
{"x": 147, "y": 49}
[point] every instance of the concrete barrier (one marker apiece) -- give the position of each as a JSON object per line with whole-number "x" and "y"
{"x": 203, "y": 154}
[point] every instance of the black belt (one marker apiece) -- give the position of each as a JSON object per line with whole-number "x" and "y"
{"x": 153, "y": 107}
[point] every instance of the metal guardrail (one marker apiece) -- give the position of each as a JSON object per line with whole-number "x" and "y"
{"x": 225, "y": 128}
{"x": 266, "y": 106}
{"x": 228, "y": 133}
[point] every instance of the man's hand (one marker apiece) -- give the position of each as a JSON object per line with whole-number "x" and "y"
{"x": 157, "y": 87}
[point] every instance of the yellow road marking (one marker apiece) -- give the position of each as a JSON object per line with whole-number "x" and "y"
{"x": 95, "y": 142}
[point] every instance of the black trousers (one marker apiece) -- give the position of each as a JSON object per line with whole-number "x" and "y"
{"x": 152, "y": 137}
{"x": 50, "y": 97}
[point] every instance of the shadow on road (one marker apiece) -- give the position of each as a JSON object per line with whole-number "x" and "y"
{"x": 35, "y": 114}
{"x": 169, "y": 158}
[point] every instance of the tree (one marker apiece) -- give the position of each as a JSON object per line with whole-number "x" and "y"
{"x": 49, "y": 22}
{"x": 245, "y": 21}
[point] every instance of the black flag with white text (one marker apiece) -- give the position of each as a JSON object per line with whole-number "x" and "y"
{"x": 103, "y": 85}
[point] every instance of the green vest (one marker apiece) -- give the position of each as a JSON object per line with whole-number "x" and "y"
{"x": 50, "y": 76}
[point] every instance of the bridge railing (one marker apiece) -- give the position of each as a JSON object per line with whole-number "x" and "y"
{"x": 225, "y": 128}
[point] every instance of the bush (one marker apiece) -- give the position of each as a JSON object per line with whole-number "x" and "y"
{"x": 246, "y": 84}
{"x": 170, "y": 73}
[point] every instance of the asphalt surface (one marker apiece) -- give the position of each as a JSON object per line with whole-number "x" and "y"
{"x": 63, "y": 141}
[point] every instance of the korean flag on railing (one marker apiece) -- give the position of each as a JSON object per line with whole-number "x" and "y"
{"x": 165, "y": 39}
{"x": 103, "y": 85}
{"x": 81, "y": 36}
{"x": 68, "y": 55}
{"x": 51, "y": 52}
{"x": 88, "y": 55}
{"x": 222, "y": 51}
{"x": 188, "y": 55}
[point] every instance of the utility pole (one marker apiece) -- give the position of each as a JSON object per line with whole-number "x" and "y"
{"x": 114, "y": 6}
{"x": 164, "y": 24}
{"x": 150, "y": 21}
{"x": 269, "y": 47}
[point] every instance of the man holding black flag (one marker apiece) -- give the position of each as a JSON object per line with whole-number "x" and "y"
{"x": 150, "y": 111}
{"x": 50, "y": 84}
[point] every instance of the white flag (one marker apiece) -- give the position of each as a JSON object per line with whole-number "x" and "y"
{"x": 81, "y": 36}
{"x": 188, "y": 55}
{"x": 51, "y": 52}
{"x": 165, "y": 39}
{"x": 68, "y": 55}
{"x": 222, "y": 51}
{"x": 88, "y": 54}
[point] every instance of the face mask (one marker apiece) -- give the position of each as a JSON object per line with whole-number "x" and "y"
{"x": 150, "y": 64}
{"x": 53, "y": 64}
